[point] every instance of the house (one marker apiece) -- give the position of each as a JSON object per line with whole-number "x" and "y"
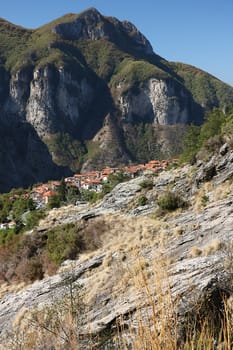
{"x": 6, "y": 225}
{"x": 3, "y": 226}
{"x": 47, "y": 195}
{"x": 11, "y": 224}
{"x": 92, "y": 185}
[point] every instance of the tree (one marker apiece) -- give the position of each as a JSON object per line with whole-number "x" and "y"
{"x": 62, "y": 190}
{"x": 212, "y": 125}
{"x": 54, "y": 202}
{"x": 73, "y": 194}
{"x": 191, "y": 142}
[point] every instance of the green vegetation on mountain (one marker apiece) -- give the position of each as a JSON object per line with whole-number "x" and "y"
{"x": 13, "y": 40}
{"x": 132, "y": 73}
{"x": 66, "y": 150}
{"x": 105, "y": 59}
{"x": 206, "y": 89}
{"x": 108, "y": 59}
{"x": 217, "y": 125}
{"x": 142, "y": 143}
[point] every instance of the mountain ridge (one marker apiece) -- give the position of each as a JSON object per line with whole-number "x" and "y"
{"x": 72, "y": 75}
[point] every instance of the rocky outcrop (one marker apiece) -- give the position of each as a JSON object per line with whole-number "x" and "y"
{"x": 19, "y": 90}
{"x": 219, "y": 168}
{"x": 161, "y": 102}
{"x": 56, "y": 100}
{"x": 196, "y": 244}
{"x": 92, "y": 25}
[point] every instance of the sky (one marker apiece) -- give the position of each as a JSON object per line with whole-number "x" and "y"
{"x": 196, "y": 32}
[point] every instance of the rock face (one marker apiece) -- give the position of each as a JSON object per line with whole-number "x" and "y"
{"x": 56, "y": 99}
{"x": 79, "y": 72}
{"x": 92, "y": 25}
{"x": 159, "y": 102}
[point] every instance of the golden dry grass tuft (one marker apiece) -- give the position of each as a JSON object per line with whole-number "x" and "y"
{"x": 195, "y": 251}
{"x": 214, "y": 246}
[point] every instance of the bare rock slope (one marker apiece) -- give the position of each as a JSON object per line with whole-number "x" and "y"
{"x": 190, "y": 250}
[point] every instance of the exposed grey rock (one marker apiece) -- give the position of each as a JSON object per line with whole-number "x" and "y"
{"x": 42, "y": 293}
{"x": 158, "y": 101}
{"x": 220, "y": 168}
{"x": 56, "y": 99}
{"x": 63, "y": 88}
{"x": 122, "y": 194}
{"x": 142, "y": 44}
{"x": 224, "y": 149}
{"x": 210, "y": 230}
{"x": 92, "y": 25}
{"x": 207, "y": 171}
{"x": 215, "y": 222}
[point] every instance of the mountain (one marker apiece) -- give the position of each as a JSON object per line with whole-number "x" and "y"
{"x": 86, "y": 91}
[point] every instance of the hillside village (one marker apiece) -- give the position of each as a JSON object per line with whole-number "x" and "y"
{"x": 94, "y": 180}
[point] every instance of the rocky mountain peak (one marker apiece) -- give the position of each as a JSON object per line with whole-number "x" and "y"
{"x": 90, "y": 24}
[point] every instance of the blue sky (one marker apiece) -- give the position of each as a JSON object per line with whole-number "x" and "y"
{"x": 197, "y": 32}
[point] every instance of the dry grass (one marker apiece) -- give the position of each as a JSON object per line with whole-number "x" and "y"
{"x": 201, "y": 196}
{"x": 126, "y": 272}
{"x": 210, "y": 193}
{"x": 214, "y": 246}
{"x": 178, "y": 231}
{"x": 155, "y": 325}
{"x": 195, "y": 251}
{"x": 223, "y": 190}
{"x": 7, "y": 288}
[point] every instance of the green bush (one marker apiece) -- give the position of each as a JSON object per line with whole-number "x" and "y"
{"x": 6, "y": 236}
{"x": 55, "y": 201}
{"x": 204, "y": 200}
{"x": 33, "y": 218}
{"x": 142, "y": 201}
{"x": 89, "y": 196}
{"x": 64, "y": 242}
{"x": 170, "y": 201}
{"x": 148, "y": 184}
{"x": 209, "y": 136}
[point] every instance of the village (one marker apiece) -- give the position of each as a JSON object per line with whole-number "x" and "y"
{"x": 94, "y": 180}
{"x": 90, "y": 181}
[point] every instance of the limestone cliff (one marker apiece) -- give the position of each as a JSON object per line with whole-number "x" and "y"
{"x": 158, "y": 101}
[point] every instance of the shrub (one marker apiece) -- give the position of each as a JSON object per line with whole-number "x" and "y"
{"x": 89, "y": 196}
{"x": 204, "y": 200}
{"x": 30, "y": 270}
{"x": 213, "y": 143}
{"x": 64, "y": 242}
{"x": 195, "y": 251}
{"x": 171, "y": 201}
{"x": 148, "y": 184}
{"x": 54, "y": 202}
{"x": 142, "y": 201}
{"x": 33, "y": 218}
